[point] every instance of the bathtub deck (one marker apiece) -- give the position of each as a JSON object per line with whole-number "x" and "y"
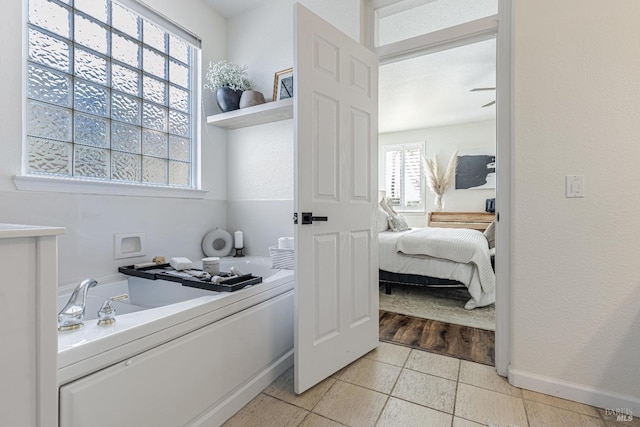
{"x": 95, "y": 347}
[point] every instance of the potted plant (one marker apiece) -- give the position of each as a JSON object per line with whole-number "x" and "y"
{"x": 228, "y": 81}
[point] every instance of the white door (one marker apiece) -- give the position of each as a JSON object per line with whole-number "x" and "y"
{"x": 336, "y": 126}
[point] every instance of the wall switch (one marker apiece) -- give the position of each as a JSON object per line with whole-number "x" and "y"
{"x": 574, "y": 185}
{"x": 128, "y": 245}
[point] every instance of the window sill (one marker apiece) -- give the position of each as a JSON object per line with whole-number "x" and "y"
{"x": 412, "y": 213}
{"x": 66, "y": 185}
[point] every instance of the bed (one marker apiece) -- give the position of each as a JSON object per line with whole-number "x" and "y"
{"x": 451, "y": 251}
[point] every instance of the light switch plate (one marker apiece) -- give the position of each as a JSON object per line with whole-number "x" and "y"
{"x": 574, "y": 186}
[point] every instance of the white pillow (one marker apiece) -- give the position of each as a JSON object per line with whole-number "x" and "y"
{"x": 387, "y": 207}
{"x": 490, "y": 234}
{"x": 398, "y": 223}
{"x": 382, "y": 222}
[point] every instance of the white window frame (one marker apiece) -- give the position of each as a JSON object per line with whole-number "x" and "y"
{"x": 402, "y": 147}
{"x": 34, "y": 182}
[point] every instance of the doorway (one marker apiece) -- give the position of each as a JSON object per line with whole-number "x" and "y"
{"x": 444, "y": 104}
{"x": 436, "y": 106}
{"x": 494, "y": 26}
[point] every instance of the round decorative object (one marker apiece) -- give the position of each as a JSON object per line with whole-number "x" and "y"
{"x": 217, "y": 243}
{"x": 250, "y": 98}
{"x": 228, "y": 99}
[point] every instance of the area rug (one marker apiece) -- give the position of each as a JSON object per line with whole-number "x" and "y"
{"x": 442, "y": 304}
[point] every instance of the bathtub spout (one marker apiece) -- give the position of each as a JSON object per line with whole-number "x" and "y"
{"x": 70, "y": 317}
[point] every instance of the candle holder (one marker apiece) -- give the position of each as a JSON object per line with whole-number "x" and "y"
{"x": 238, "y": 253}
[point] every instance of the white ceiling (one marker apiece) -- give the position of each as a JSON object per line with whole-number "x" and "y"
{"x": 229, "y": 8}
{"x": 435, "y": 90}
{"x": 426, "y": 91}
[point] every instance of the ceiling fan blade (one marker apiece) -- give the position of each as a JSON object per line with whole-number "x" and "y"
{"x": 489, "y": 104}
{"x": 476, "y": 89}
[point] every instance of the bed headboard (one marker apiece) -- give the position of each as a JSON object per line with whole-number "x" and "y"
{"x": 474, "y": 220}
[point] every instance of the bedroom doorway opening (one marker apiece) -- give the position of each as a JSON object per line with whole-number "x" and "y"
{"x": 431, "y": 107}
{"x": 421, "y": 30}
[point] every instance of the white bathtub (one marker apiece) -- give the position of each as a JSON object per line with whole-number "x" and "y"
{"x": 161, "y": 314}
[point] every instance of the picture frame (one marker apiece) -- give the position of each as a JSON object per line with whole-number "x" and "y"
{"x": 283, "y": 84}
{"x": 476, "y": 170}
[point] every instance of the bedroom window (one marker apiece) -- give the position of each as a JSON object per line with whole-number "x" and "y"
{"x": 111, "y": 89}
{"x": 404, "y": 180}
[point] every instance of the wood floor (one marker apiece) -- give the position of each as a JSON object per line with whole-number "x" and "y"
{"x": 463, "y": 342}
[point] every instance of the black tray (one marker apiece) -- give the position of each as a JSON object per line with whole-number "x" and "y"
{"x": 161, "y": 271}
{"x": 228, "y": 285}
{"x": 145, "y": 272}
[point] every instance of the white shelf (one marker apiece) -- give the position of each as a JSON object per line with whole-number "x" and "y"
{"x": 256, "y": 115}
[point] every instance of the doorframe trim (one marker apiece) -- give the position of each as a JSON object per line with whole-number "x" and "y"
{"x": 499, "y": 26}
{"x": 436, "y": 41}
{"x": 504, "y": 141}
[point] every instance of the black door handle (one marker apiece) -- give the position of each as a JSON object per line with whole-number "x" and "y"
{"x": 308, "y": 218}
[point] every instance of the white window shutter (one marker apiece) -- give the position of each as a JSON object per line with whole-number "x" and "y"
{"x": 404, "y": 180}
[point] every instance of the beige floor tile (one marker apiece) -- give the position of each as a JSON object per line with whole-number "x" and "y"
{"x": 560, "y": 403}
{"x": 541, "y": 415}
{"x": 371, "y": 374}
{"x": 315, "y": 420}
{"x": 282, "y": 388}
{"x": 265, "y": 411}
{"x": 433, "y": 364}
{"x": 428, "y": 390}
{"x": 461, "y": 422}
{"x": 485, "y": 406}
{"x": 337, "y": 374}
{"x": 401, "y": 413}
{"x": 486, "y": 377}
{"x": 389, "y": 353}
{"x": 352, "y": 405}
{"x": 611, "y": 418}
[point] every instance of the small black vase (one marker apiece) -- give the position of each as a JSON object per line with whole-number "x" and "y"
{"x": 228, "y": 99}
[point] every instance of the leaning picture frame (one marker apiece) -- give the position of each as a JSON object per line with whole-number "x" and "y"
{"x": 283, "y": 84}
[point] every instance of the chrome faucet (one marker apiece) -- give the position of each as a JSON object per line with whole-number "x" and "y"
{"x": 70, "y": 317}
{"x": 107, "y": 313}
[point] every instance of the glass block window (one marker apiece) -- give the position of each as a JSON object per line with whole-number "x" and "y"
{"x": 110, "y": 93}
{"x": 403, "y": 178}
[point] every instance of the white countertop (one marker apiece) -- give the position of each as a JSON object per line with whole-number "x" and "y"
{"x": 21, "y": 230}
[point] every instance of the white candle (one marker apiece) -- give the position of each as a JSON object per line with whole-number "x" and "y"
{"x": 239, "y": 240}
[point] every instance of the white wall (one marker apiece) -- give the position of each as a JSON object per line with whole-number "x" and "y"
{"x": 575, "y": 285}
{"x": 444, "y": 141}
{"x": 262, "y": 38}
{"x": 260, "y": 158}
{"x": 91, "y": 220}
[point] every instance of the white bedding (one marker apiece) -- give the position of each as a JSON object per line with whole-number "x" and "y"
{"x": 480, "y": 280}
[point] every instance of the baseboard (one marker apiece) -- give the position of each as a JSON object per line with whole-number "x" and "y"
{"x": 576, "y": 392}
{"x": 237, "y": 400}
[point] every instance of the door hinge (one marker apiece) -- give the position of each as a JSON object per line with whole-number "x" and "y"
{"x": 295, "y": 217}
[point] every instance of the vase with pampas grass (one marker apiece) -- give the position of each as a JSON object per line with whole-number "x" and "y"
{"x": 439, "y": 179}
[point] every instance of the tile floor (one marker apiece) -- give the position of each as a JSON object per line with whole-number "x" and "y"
{"x": 399, "y": 386}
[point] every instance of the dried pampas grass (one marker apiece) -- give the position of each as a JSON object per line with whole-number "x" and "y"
{"x": 438, "y": 179}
